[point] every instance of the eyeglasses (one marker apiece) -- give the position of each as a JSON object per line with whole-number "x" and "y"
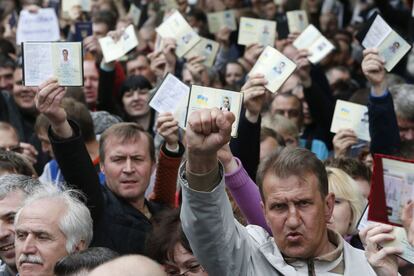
{"x": 17, "y": 148}
{"x": 175, "y": 271}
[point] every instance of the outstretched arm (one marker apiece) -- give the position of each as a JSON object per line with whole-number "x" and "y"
{"x": 383, "y": 127}
{"x": 220, "y": 243}
{"x": 68, "y": 146}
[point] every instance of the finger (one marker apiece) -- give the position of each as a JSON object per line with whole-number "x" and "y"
{"x": 258, "y": 81}
{"x": 214, "y": 113}
{"x": 407, "y": 214}
{"x": 48, "y": 82}
{"x": 206, "y": 121}
{"x": 46, "y": 92}
{"x": 167, "y": 125}
{"x": 384, "y": 253}
{"x": 194, "y": 121}
{"x": 224, "y": 121}
{"x": 368, "y": 51}
{"x": 29, "y": 148}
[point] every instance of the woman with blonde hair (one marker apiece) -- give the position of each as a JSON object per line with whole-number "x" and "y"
{"x": 349, "y": 202}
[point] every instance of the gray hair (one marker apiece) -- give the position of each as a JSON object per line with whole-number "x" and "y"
{"x": 76, "y": 223}
{"x": 13, "y": 182}
{"x": 403, "y": 96}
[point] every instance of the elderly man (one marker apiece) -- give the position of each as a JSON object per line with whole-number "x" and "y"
{"x": 13, "y": 190}
{"x": 296, "y": 205}
{"x": 50, "y": 225}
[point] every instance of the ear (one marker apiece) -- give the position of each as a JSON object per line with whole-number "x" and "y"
{"x": 264, "y": 212}
{"x": 329, "y": 206}
{"x": 80, "y": 246}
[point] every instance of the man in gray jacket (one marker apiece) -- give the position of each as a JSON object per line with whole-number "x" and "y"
{"x": 296, "y": 204}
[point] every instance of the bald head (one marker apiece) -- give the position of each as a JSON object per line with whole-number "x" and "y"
{"x": 129, "y": 266}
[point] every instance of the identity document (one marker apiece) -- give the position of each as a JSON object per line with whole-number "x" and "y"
{"x": 42, "y": 60}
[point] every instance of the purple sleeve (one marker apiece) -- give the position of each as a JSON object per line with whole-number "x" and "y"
{"x": 247, "y": 196}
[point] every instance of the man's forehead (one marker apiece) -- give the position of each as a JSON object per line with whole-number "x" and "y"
{"x": 293, "y": 184}
{"x": 6, "y": 71}
{"x": 133, "y": 145}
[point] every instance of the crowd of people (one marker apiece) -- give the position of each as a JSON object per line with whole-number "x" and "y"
{"x": 93, "y": 181}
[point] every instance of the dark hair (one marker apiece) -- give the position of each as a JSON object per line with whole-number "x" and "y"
{"x": 6, "y": 47}
{"x": 353, "y": 167}
{"x": 266, "y": 132}
{"x": 84, "y": 260}
{"x": 126, "y": 132}
{"x": 166, "y": 233}
{"x": 76, "y": 93}
{"x": 106, "y": 17}
{"x": 14, "y": 163}
{"x": 198, "y": 14}
{"x": 7, "y": 62}
{"x": 134, "y": 83}
{"x": 287, "y": 162}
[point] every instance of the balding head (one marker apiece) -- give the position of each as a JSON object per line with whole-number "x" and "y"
{"x": 129, "y": 266}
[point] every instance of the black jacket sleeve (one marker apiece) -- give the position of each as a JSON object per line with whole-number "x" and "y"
{"x": 247, "y": 144}
{"x": 77, "y": 168}
{"x": 383, "y": 127}
{"x": 106, "y": 99}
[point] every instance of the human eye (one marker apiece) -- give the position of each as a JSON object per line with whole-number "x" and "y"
{"x": 195, "y": 267}
{"x": 43, "y": 237}
{"x": 304, "y": 203}
{"x": 278, "y": 206}
{"x": 10, "y": 218}
{"x": 117, "y": 159}
{"x": 20, "y": 235}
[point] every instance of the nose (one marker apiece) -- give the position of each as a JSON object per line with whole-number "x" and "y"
{"x": 87, "y": 82}
{"x": 128, "y": 166}
{"x": 293, "y": 219}
{"x": 135, "y": 96}
{"x": 29, "y": 245}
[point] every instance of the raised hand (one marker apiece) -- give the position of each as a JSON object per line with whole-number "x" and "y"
{"x": 167, "y": 127}
{"x": 252, "y": 53}
{"x": 254, "y": 96}
{"x": 48, "y": 101}
{"x": 29, "y": 151}
{"x": 373, "y": 69}
{"x": 382, "y": 259}
{"x": 342, "y": 140}
{"x": 207, "y": 131}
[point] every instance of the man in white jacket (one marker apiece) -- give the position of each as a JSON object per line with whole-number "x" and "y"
{"x": 296, "y": 204}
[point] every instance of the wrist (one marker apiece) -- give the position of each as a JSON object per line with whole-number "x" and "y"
{"x": 252, "y": 117}
{"x": 201, "y": 163}
{"x": 172, "y": 147}
{"x": 245, "y": 63}
{"x": 231, "y": 166}
{"x": 62, "y": 130}
{"x": 379, "y": 89}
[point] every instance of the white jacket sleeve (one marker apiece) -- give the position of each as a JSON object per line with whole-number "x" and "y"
{"x": 220, "y": 243}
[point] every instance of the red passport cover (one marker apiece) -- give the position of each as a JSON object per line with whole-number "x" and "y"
{"x": 378, "y": 209}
